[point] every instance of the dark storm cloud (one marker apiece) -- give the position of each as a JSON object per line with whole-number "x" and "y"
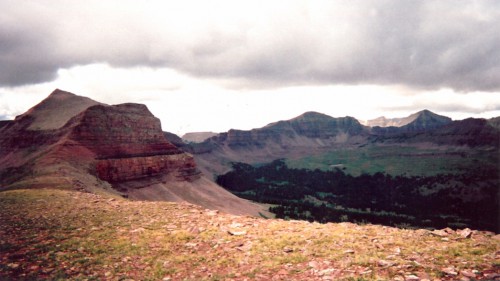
{"x": 423, "y": 44}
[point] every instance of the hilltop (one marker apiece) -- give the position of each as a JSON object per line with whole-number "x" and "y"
{"x": 56, "y": 234}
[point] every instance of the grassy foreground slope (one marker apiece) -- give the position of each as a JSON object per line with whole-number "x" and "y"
{"x": 54, "y": 234}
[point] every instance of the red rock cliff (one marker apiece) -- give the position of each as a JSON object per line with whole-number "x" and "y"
{"x": 129, "y": 144}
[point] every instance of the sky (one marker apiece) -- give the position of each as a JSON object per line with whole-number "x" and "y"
{"x": 216, "y": 65}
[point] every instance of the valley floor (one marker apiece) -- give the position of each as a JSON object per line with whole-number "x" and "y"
{"x": 53, "y": 234}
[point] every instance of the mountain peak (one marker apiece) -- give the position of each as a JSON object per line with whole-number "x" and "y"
{"x": 421, "y": 117}
{"x": 312, "y": 115}
{"x": 426, "y": 119}
{"x": 57, "y": 109}
{"x": 58, "y": 93}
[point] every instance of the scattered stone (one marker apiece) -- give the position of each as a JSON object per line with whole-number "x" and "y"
{"x": 492, "y": 276}
{"x": 235, "y": 225}
{"x": 439, "y": 233}
{"x": 287, "y": 250}
{"x": 450, "y": 271}
{"x": 411, "y": 278}
{"x": 212, "y": 213}
{"x": 140, "y": 229}
{"x": 13, "y": 265}
{"x": 327, "y": 271}
{"x": 465, "y": 233}
{"x": 468, "y": 273}
{"x": 349, "y": 251}
{"x": 313, "y": 264}
{"x": 237, "y": 233}
{"x": 384, "y": 263}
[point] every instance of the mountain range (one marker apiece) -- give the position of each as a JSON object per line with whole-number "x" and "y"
{"x": 314, "y": 133}
{"x": 72, "y": 142}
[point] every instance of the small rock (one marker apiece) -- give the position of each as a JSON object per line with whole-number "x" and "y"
{"x": 468, "y": 273}
{"x": 492, "y": 276}
{"x": 439, "y": 233}
{"x": 140, "y": 229}
{"x": 384, "y": 263}
{"x": 465, "y": 233}
{"x": 190, "y": 245}
{"x": 327, "y": 271}
{"x": 235, "y": 225}
{"x": 411, "y": 278}
{"x": 287, "y": 250}
{"x": 237, "y": 233}
{"x": 313, "y": 264}
{"x": 450, "y": 271}
{"x": 13, "y": 265}
{"x": 349, "y": 252}
{"x": 212, "y": 213}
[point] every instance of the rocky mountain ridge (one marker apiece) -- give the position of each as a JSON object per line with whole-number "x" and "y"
{"x": 314, "y": 133}
{"x": 103, "y": 148}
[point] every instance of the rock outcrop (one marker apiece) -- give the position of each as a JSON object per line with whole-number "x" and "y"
{"x": 129, "y": 144}
{"x": 134, "y": 168}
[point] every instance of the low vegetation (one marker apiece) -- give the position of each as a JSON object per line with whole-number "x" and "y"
{"x": 399, "y": 160}
{"x": 61, "y": 235}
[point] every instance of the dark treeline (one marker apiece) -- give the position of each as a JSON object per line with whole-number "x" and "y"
{"x": 465, "y": 200}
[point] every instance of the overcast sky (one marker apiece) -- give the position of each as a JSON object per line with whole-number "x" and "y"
{"x": 215, "y": 65}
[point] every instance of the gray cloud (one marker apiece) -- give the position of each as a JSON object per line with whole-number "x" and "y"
{"x": 423, "y": 44}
